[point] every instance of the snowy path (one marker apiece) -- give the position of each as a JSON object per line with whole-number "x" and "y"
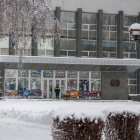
{"x": 12, "y": 129}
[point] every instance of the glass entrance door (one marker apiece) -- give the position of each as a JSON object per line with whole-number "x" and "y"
{"x": 61, "y": 83}
{"x": 48, "y": 88}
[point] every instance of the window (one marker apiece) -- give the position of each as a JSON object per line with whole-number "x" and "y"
{"x": 68, "y": 34}
{"x": 89, "y": 34}
{"x": 129, "y": 47}
{"x": 109, "y": 35}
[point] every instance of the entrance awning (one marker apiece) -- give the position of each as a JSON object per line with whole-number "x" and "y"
{"x": 70, "y": 64}
{"x": 69, "y": 60}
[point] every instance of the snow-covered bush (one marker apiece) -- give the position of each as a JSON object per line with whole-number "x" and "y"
{"x": 122, "y": 126}
{"x": 77, "y": 129}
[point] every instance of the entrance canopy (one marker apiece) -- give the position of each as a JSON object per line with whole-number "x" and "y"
{"x": 43, "y": 62}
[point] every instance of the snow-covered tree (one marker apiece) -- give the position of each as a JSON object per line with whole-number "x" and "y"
{"x": 27, "y": 23}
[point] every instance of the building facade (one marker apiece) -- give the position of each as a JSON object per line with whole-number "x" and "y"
{"x": 95, "y": 53}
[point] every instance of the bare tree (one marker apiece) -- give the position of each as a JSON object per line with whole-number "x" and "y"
{"x": 25, "y": 21}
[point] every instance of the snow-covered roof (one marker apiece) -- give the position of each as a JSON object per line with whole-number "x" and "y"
{"x": 69, "y": 60}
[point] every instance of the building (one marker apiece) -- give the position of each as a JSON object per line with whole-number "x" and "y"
{"x": 95, "y": 53}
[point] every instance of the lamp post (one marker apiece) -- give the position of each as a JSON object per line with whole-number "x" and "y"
{"x": 135, "y": 35}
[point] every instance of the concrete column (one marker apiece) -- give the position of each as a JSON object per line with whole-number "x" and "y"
{"x": 138, "y": 57}
{"x": 138, "y": 41}
{"x": 99, "y": 33}
{"x": 120, "y": 34}
{"x": 2, "y": 81}
{"x": 138, "y": 81}
{"x": 34, "y": 43}
{"x": 78, "y": 32}
{"x": 57, "y": 41}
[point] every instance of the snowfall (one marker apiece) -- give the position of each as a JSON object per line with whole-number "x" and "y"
{"x": 26, "y": 119}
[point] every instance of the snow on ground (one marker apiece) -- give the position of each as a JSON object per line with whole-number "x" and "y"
{"x": 23, "y": 119}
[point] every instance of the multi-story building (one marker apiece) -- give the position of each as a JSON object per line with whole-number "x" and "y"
{"x": 95, "y": 52}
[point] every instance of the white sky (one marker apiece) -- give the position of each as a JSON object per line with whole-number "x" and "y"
{"x": 130, "y": 7}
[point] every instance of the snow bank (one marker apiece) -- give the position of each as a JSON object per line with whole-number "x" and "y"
{"x": 43, "y": 111}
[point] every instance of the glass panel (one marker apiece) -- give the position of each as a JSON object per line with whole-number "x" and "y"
{"x": 109, "y": 46}
{"x": 113, "y": 36}
{"x": 72, "y": 34}
{"x": 23, "y": 73}
{"x": 71, "y": 53}
{"x": 92, "y": 27}
{"x": 49, "y": 52}
{"x": 10, "y": 84}
{"x": 92, "y": 35}
{"x": 112, "y": 55}
{"x": 35, "y": 83}
{"x": 133, "y": 55}
{"x": 132, "y": 89}
{"x": 84, "y": 34}
{"x": 84, "y": 74}
{"x": 72, "y": 84}
{"x": 10, "y": 73}
{"x": 10, "y": 87}
{"x": 22, "y": 84}
{"x": 125, "y": 29}
{"x": 64, "y": 33}
{"x": 105, "y": 35}
{"x": 45, "y": 88}
{"x": 109, "y": 19}
{"x": 68, "y": 17}
{"x": 59, "y": 74}
{"x": 129, "y": 20}
{"x": 129, "y": 46}
{"x": 133, "y": 81}
{"x": 89, "y": 18}
{"x": 89, "y": 45}
{"x": 126, "y": 37}
{"x": 113, "y": 28}
{"x": 35, "y": 73}
{"x": 71, "y": 26}
{"x": 132, "y": 75}
{"x": 83, "y": 85}
{"x": 84, "y": 27}
{"x": 62, "y": 88}
{"x": 68, "y": 44}
{"x": 48, "y": 74}
{"x": 95, "y": 85}
{"x": 105, "y": 54}
{"x": 95, "y": 75}
{"x": 63, "y": 53}
{"x": 72, "y": 74}
{"x": 84, "y": 53}
{"x": 64, "y": 25}
{"x": 106, "y": 28}
{"x": 50, "y": 89}
{"x": 92, "y": 54}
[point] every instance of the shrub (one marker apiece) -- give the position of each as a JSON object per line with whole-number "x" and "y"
{"x": 122, "y": 126}
{"x": 77, "y": 129}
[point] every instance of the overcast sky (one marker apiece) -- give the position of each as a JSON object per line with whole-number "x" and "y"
{"x": 130, "y": 7}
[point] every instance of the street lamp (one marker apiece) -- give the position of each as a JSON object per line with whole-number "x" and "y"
{"x": 134, "y": 30}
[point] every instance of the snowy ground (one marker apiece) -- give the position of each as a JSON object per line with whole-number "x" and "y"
{"x": 23, "y": 119}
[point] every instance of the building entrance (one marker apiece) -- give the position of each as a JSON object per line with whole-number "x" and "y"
{"x": 48, "y": 88}
{"x": 61, "y": 83}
